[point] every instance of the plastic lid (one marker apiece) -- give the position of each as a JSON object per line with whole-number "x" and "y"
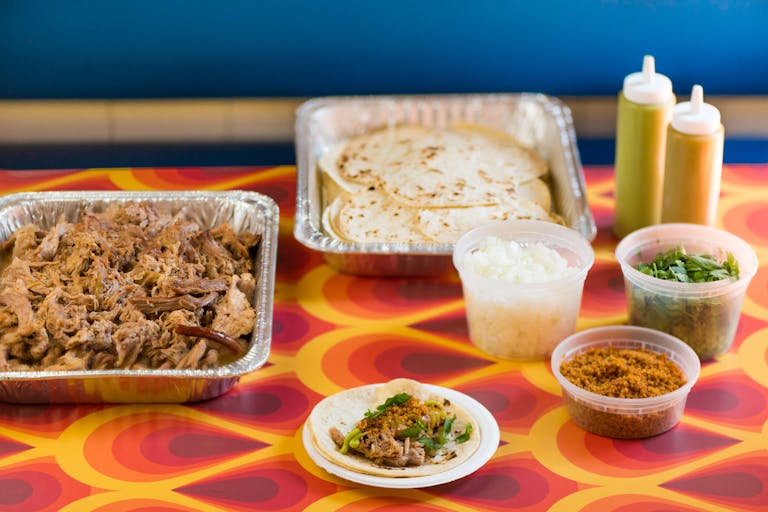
{"x": 647, "y": 86}
{"x": 695, "y": 117}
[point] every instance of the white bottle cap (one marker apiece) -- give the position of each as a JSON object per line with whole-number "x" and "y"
{"x": 647, "y": 86}
{"x": 695, "y": 117}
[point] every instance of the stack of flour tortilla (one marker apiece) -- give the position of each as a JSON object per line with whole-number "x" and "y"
{"x": 414, "y": 184}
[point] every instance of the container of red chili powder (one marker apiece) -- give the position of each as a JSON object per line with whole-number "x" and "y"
{"x": 625, "y": 382}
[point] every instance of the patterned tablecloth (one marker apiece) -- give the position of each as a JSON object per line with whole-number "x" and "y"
{"x": 243, "y": 450}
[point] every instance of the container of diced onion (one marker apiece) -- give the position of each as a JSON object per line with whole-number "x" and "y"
{"x": 522, "y": 282}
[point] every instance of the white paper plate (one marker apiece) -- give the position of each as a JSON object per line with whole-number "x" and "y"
{"x": 488, "y": 444}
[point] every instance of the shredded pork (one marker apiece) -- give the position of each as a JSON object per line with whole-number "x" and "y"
{"x": 128, "y": 288}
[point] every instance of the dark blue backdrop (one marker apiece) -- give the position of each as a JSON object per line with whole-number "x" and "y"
{"x": 199, "y": 48}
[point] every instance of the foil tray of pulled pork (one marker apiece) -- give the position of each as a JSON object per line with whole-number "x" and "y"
{"x": 133, "y": 296}
{"x": 387, "y": 184}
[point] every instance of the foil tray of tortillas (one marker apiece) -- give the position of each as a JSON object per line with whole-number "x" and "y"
{"x": 243, "y": 211}
{"x": 480, "y": 157}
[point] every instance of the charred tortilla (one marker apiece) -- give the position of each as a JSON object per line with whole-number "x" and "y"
{"x": 459, "y": 168}
{"x": 400, "y": 184}
{"x": 432, "y": 434}
{"x": 370, "y": 216}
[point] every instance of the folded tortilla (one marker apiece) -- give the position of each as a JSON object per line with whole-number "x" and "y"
{"x": 345, "y": 409}
{"x": 446, "y": 225}
{"x": 371, "y": 216}
{"x": 403, "y": 183}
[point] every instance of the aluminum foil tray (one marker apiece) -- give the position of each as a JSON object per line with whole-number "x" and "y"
{"x": 244, "y": 211}
{"x": 536, "y": 120}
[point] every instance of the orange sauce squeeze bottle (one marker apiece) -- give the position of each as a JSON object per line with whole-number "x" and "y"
{"x": 694, "y": 162}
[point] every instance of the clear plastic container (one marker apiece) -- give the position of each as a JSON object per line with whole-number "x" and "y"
{"x": 704, "y": 315}
{"x": 514, "y": 320}
{"x": 626, "y": 418}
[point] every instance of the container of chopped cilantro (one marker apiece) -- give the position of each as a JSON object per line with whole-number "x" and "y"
{"x": 687, "y": 280}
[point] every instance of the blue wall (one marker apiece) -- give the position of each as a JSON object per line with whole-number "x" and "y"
{"x": 197, "y": 48}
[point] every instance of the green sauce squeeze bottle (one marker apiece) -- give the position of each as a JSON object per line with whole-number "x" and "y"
{"x": 645, "y": 108}
{"x": 694, "y": 162}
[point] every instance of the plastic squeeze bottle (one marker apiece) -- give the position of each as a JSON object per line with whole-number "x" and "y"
{"x": 694, "y": 162}
{"x": 645, "y": 108}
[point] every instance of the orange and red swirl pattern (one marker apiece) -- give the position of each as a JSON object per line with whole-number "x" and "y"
{"x": 243, "y": 451}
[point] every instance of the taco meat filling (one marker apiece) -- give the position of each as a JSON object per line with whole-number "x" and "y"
{"x": 404, "y": 431}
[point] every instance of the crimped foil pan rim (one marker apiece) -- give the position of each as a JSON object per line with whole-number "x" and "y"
{"x": 257, "y": 353}
{"x": 314, "y": 238}
{"x": 587, "y": 226}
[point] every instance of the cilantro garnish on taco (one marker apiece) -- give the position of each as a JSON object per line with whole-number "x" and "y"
{"x": 398, "y": 429}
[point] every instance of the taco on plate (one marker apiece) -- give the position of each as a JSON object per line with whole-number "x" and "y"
{"x": 397, "y": 429}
